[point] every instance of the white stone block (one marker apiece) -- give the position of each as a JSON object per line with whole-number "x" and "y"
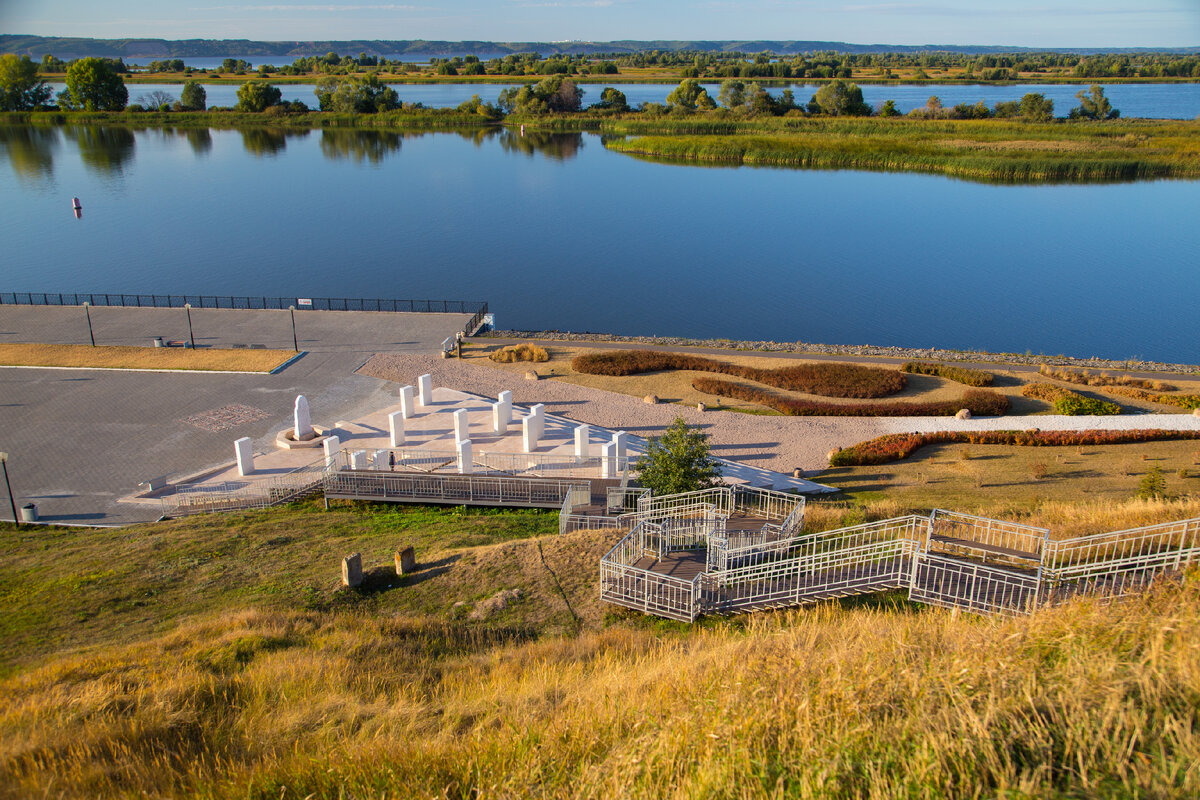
{"x": 505, "y": 397}
{"x": 462, "y": 427}
{"x": 499, "y": 421}
{"x": 529, "y": 434}
{"x": 425, "y": 390}
{"x": 302, "y": 429}
{"x": 582, "y": 442}
{"x": 333, "y": 446}
{"x": 621, "y": 440}
{"x": 539, "y": 414}
{"x": 244, "y": 449}
{"x": 379, "y": 460}
{"x": 407, "y": 407}
{"x": 608, "y": 468}
{"x": 358, "y": 460}
{"x": 464, "y": 457}
{"x": 396, "y": 428}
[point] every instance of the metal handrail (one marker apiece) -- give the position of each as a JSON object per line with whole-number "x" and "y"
{"x": 477, "y": 307}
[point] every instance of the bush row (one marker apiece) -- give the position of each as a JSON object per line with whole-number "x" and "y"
{"x": 1188, "y": 401}
{"x": 520, "y": 352}
{"x": 898, "y": 446}
{"x": 980, "y": 403}
{"x": 971, "y": 377}
{"x": 1102, "y": 379}
{"x": 826, "y": 379}
{"x": 1069, "y": 403}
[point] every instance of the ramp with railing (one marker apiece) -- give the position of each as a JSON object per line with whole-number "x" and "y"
{"x": 948, "y": 559}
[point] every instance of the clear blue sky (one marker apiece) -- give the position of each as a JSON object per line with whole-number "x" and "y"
{"x": 1029, "y": 23}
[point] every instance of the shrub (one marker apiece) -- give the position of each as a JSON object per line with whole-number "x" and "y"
{"x": 1153, "y": 485}
{"x": 899, "y": 446}
{"x": 520, "y": 352}
{"x": 1103, "y": 379}
{"x": 829, "y": 379}
{"x": 1038, "y": 470}
{"x": 1069, "y": 403}
{"x": 1188, "y": 401}
{"x": 980, "y": 403}
{"x": 970, "y": 377}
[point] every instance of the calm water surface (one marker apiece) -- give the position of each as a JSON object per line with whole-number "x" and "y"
{"x": 1156, "y": 101}
{"x": 557, "y": 232}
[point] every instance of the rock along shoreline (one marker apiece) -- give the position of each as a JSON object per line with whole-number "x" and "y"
{"x": 874, "y": 351}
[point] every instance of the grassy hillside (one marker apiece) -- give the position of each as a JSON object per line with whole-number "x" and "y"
{"x": 214, "y": 657}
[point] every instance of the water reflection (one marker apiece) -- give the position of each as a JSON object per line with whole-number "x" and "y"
{"x": 268, "y": 141}
{"x": 372, "y": 146}
{"x": 199, "y": 138}
{"x": 30, "y": 150}
{"x": 559, "y": 146}
{"x": 102, "y": 148}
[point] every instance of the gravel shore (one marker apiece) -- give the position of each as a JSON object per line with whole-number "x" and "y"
{"x": 770, "y": 442}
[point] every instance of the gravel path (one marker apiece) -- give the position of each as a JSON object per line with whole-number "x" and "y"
{"x": 776, "y": 443}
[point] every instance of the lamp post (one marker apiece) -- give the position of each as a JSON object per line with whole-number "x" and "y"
{"x": 295, "y": 341}
{"x": 191, "y": 338}
{"x": 7, "y": 485}
{"x": 87, "y": 309}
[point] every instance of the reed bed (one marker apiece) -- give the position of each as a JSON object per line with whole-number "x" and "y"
{"x": 899, "y": 446}
{"x": 979, "y": 402}
{"x": 969, "y": 377}
{"x": 823, "y": 378}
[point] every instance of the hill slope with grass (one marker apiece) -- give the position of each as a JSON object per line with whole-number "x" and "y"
{"x": 214, "y": 657}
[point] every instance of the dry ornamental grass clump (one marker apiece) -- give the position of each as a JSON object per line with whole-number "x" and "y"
{"x": 520, "y": 352}
{"x": 828, "y": 379}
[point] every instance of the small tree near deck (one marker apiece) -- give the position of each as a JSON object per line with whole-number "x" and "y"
{"x": 678, "y": 461}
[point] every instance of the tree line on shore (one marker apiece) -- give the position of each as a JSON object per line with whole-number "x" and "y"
{"x": 95, "y": 84}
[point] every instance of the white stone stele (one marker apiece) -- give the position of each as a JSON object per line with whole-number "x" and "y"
{"x": 333, "y": 446}
{"x": 464, "y": 457}
{"x": 358, "y": 460}
{"x": 538, "y": 413}
{"x": 396, "y": 429}
{"x": 499, "y": 419}
{"x": 506, "y": 415}
{"x": 620, "y": 440}
{"x": 379, "y": 460}
{"x": 425, "y": 390}
{"x": 608, "y": 467}
{"x": 244, "y": 449}
{"x": 462, "y": 427}
{"x": 302, "y": 429}
{"x": 582, "y": 442}
{"x": 407, "y": 406}
{"x": 529, "y": 434}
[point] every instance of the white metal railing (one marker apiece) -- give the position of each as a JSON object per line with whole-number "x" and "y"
{"x": 952, "y": 583}
{"x": 954, "y": 532}
{"x": 623, "y": 499}
{"x": 253, "y": 493}
{"x": 624, "y": 584}
{"x": 720, "y": 498}
{"x": 548, "y": 464}
{"x": 765, "y": 503}
{"x": 577, "y": 496}
{"x": 455, "y": 489}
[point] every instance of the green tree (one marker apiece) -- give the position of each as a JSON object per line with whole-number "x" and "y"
{"x": 1035, "y": 107}
{"x": 678, "y": 461}
{"x": 690, "y": 95}
{"x": 732, "y": 94}
{"x": 888, "y": 109}
{"x": 256, "y": 96}
{"x": 20, "y": 87}
{"x": 840, "y": 98}
{"x": 193, "y": 97}
{"x": 356, "y": 95}
{"x": 1153, "y": 485}
{"x": 94, "y": 84}
{"x": 613, "y": 100}
{"x": 1094, "y": 105}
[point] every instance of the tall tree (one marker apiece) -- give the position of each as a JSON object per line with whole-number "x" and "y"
{"x": 841, "y": 98}
{"x": 1094, "y": 105}
{"x": 193, "y": 97}
{"x": 678, "y": 461}
{"x": 1036, "y": 107}
{"x": 612, "y": 100}
{"x": 732, "y": 94}
{"x": 94, "y": 84}
{"x": 20, "y": 87}
{"x": 690, "y": 95}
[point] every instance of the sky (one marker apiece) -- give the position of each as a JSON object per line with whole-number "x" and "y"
{"x": 1025, "y": 23}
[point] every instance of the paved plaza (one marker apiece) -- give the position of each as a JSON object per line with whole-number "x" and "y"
{"x": 78, "y": 440}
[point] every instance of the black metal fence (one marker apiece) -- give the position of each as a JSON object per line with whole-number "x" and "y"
{"x": 476, "y": 307}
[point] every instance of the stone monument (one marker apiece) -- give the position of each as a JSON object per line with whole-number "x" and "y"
{"x": 302, "y": 429}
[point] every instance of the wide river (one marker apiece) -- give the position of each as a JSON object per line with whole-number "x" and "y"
{"x": 1157, "y": 100}
{"x": 556, "y": 232}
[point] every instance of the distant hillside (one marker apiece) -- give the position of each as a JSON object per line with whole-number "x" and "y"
{"x": 68, "y": 47}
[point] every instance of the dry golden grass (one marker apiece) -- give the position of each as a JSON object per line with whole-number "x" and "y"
{"x": 120, "y": 357}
